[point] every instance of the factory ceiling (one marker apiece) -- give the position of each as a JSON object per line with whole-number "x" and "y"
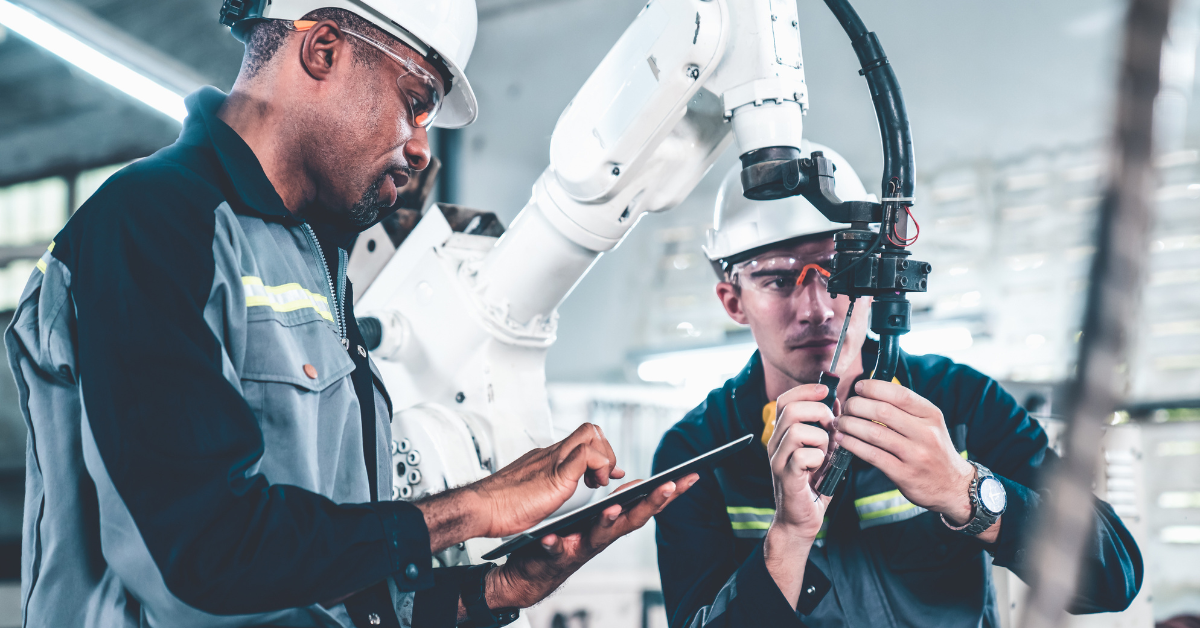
{"x": 56, "y": 119}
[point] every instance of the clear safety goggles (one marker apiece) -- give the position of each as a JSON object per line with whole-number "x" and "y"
{"x": 423, "y": 93}
{"x": 781, "y": 275}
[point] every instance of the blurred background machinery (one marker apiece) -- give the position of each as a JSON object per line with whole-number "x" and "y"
{"x": 1011, "y": 114}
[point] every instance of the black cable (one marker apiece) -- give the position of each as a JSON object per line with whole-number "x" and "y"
{"x": 868, "y": 253}
{"x": 892, "y": 115}
{"x": 899, "y": 163}
{"x": 848, "y": 18}
{"x": 871, "y": 249}
{"x": 888, "y": 357}
{"x": 899, "y": 170}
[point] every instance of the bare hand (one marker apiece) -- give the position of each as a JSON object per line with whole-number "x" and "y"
{"x": 797, "y": 450}
{"x": 522, "y": 494}
{"x": 529, "y": 576}
{"x": 904, "y": 435}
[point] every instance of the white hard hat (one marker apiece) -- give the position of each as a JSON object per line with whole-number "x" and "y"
{"x": 741, "y": 225}
{"x": 442, "y": 30}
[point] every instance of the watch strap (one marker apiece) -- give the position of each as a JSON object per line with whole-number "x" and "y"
{"x": 479, "y": 615}
{"x": 981, "y": 519}
{"x": 971, "y": 497}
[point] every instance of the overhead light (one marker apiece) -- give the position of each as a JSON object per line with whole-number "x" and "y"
{"x": 1179, "y": 499}
{"x": 937, "y": 340}
{"x": 87, "y": 58}
{"x": 1188, "y": 535}
{"x": 704, "y": 367}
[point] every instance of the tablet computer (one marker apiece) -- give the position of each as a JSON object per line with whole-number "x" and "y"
{"x": 581, "y": 518}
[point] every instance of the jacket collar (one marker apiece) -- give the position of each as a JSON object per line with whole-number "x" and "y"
{"x": 748, "y": 392}
{"x": 252, "y": 191}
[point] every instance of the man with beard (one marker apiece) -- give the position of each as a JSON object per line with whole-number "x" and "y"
{"x": 945, "y": 479}
{"x": 208, "y": 437}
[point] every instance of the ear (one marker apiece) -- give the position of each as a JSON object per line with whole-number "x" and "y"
{"x": 324, "y": 48}
{"x": 731, "y": 298}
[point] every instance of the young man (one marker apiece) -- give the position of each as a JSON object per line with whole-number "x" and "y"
{"x": 208, "y": 439}
{"x": 905, "y": 541}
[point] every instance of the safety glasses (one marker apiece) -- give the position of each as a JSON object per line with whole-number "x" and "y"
{"x": 781, "y": 275}
{"x": 422, "y": 92}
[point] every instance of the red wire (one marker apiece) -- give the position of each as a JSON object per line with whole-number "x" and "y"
{"x": 895, "y": 182}
{"x": 905, "y": 241}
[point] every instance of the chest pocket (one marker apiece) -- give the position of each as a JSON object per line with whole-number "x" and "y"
{"x": 306, "y": 356}
{"x": 288, "y": 338}
{"x": 294, "y": 377}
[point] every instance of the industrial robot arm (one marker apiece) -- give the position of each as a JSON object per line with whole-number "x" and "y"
{"x": 466, "y": 319}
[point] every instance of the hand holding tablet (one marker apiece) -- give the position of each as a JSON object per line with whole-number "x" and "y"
{"x": 582, "y": 518}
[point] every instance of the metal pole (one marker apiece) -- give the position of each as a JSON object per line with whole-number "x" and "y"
{"x": 1112, "y": 306}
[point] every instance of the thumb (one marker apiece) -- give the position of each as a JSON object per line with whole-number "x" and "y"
{"x": 574, "y": 465}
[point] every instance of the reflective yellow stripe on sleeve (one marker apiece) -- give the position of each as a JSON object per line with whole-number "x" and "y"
{"x": 749, "y": 522}
{"x": 41, "y": 263}
{"x": 884, "y": 508}
{"x": 887, "y": 507}
{"x": 286, "y": 298}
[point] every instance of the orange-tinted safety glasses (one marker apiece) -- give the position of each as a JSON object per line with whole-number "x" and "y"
{"x": 780, "y": 275}
{"x": 816, "y": 268}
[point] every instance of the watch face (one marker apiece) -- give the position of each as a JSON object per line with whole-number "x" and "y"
{"x": 992, "y": 495}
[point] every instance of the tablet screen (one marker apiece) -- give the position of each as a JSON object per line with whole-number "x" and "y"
{"x": 581, "y": 517}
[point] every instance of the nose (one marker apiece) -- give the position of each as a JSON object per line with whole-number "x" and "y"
{"x": 815, "y": 306}
{"x": 416, "y": 149}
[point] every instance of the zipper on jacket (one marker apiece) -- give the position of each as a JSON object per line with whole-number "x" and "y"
{"x": 334, "y": 291}
{"x": 343, "y": 266}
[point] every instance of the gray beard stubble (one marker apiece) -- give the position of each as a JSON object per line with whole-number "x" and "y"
{"x": 363, "y": 213}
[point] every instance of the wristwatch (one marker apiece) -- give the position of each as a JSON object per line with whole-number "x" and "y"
{"x": 478, "y": 613}
{"x": 988, "y": 501}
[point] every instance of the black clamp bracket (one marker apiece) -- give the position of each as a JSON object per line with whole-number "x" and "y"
{"x": 239, "y": 15}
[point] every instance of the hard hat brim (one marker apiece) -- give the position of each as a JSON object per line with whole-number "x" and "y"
{"x": 459, "y": 108}
{"x": 741, "y": 225}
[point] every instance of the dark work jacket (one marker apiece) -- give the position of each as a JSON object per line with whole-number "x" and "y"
{"x": 207, "y": 437}
{"x": 879, "y": 560}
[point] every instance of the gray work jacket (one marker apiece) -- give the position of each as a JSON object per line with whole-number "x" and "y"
{"x": 197, "y": 453}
